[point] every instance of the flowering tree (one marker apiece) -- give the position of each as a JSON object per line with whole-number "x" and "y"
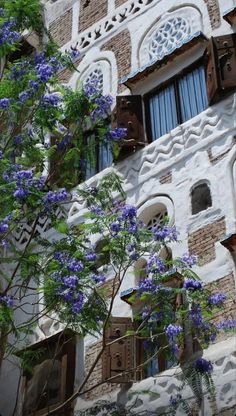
{"x": 43, "y": 121}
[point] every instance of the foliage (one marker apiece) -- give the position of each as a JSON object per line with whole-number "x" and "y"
{"x": 43, "y": 121}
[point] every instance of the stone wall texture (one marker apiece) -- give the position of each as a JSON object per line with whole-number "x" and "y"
{"x": 214, "y": 12}
{"x": 202, "y": 241}
{"x": 120, "y": 45}
{"x": 91, "y": 11}
{"x": 61, "y": 28}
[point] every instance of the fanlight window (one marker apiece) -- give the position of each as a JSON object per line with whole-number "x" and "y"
{"x": 95, "y": 78}
{"x": 158, "y": 219}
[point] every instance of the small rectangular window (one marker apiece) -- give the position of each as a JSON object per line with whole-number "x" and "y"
{"x": 182, "y": 98}
{"x": 99, "y": 158}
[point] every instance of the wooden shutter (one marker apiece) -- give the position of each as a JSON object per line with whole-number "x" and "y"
{"x": 129, "y": 115}
{"x": 119, "y": 356}
{"x": 221, "y": 66}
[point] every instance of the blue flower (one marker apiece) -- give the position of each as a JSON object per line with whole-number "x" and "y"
{"x": 192, "y": 284}
{"x": 7, "y": 300}
{"x": 115, "y": 227}
{"x": 98, "y": 278}
{"x": 128, "y": 212}
{"x": 203, "y": 366}
{"x": 71, "y": 281}
{"x": 24, "y": 96}
{"x": 21, "y": 193}
{"x": 172, "y": 331}
{"x": 163, "y": 233}
{"x": 217, "y": 299}
{"x": 226, "y": 324}
{"x": 4, "y": 102}
{"x": 3, "y": 227}
{"x": 116, "y": 134}
{"x": 75, "y": 266}
{"x": 189, "y": 260}
{"x": 91, "y": 256}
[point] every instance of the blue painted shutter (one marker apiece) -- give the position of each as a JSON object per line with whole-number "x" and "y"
{"x": 193, "y": 93}
{"x": 105, "y": 156}
{"x": 91, "y": 168}
{"x": 163, "y": 113}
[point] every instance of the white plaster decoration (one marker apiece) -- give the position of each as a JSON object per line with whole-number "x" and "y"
{"x": 162, "y": 386}
{"x": 112, "y": 23}
{"x": 153, "y": 211}
{"x": 173, "y": 31}
{"x": 181, "y": 142}
{"x": 94, "y": 77}
{"x": 97, "y": 65}
{"x": 20, "y": 236}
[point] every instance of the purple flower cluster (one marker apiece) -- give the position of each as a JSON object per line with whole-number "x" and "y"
{"x": 165, "y": 233}
{"x": 148, "y": 285}
{"x": 116, "y": 134}
{"x": 91, "y": 88}
{"x": 91, "y": 256}
{"x": 195, "y": 315}
{"x": 102, "y": 107}
{"x": 128, "y": 212}
{"x": 51, "y": 100}
{"x": 8, "y": 36}
{"x": 23, "y": 181}
{"x": 95, "y": 209}
{"x": 191, "y": 284}
{"x": 62, "y": 144}
{"x": 4, "y": 227}
{"x": 6, "y": 300}
{"x": 155, "y": 264}
{"x": 5, "y": 103}
{"x": 203, "y": 366}
{"x": 217, "y": 299}
{"x": 175, "y": 400}
{"x": 24, "y": 95}
{"x": 75, "y": 266}
{"x": 172, "y": 331}
{"x": 226, "y": 324}
{"x": 54, "y": 197}
{"x": 127, "y": 221}
{"x": 45, "y": 69}
{"x": 98, "y": 278}
{"x": 189, "y": 260}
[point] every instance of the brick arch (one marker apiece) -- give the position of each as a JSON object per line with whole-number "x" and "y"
{"x": 214, "y": 12}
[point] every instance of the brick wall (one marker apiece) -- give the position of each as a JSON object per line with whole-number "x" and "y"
{"x": 121, "y": 46}
{"x": 167, "y": 178}
{"x": 225, "y": 285}
{"x": 61, "y": 28}
{"x": 214, "y": 12}
{"x": 91, "y": 11}
{"x": 66, "y": 74}
{"x": 202, "y": 241}
{"x": 97, "y": 392}
{"x": 119, "y": 2}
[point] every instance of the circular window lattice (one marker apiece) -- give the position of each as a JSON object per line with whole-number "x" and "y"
{"x": 158, "y": 219}
{"x": 95, "y": 78}
{"x": 168, "y": 36}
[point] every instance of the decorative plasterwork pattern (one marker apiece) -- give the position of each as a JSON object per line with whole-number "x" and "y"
{"x": 22, "y": 233}
{"x": 172, "y": 147}
{"x": 110, "y": 24}
{"x": 174, "y": 30}
{"x": 95, "y": 77}
{"x": 99, "y": 74}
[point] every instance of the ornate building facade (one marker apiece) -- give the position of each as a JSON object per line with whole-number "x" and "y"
{"x": 170, "y": 66}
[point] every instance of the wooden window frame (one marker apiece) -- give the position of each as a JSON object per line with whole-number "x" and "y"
{"x": 65, "y": 341}
{"x": 171, "y": 81}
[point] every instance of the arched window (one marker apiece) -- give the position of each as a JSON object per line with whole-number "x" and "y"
{"x": 200, "y": 198}
{"x": 159, "y": 218}
{"x": 95, "y": 77}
